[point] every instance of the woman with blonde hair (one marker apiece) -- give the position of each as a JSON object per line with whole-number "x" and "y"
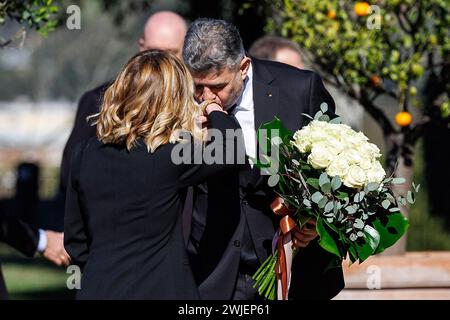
{"x": 123, "y": 223}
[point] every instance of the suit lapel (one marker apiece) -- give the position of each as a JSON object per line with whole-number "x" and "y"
{"x": 265, "y": 95}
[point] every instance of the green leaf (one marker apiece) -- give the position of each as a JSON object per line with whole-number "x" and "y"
{"x": 271, "y": 128}
{"x": 326, "y": 188}
{"x": 313, "y": 182}
{"x": 324, "y": 107}
{"x": 316, "y": 197}
{"x": 326, "y": 241}
{"x": 336, "y": 183}
{"x": 372, "y": 241}
{"x": 390, "y": 233}
{"x": 306, "y": 202}
{"x": 342, "y": 195}
{"x": 386, "y": 204}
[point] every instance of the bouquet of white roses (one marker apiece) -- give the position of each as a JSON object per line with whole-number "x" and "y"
{"x": 330, "y": 173}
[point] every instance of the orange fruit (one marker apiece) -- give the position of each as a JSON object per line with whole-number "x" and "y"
{"x": 362, "y": 9}
{"x": 376, "y": 81}
{"x": 331, "y": 14}
{"x": 403, "y": 119}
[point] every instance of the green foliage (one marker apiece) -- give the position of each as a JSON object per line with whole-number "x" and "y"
{"x": 36, "y": 14}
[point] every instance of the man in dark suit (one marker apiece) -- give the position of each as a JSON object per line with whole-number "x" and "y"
{"x": 28, "y": 240}
{"x": 232, "y": 223}
{"x": 163, "y": 30}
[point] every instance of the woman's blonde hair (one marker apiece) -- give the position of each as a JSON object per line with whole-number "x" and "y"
{"x": 151, "y": 98}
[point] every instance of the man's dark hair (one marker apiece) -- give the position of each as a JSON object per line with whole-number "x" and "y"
{"x": 212, "y": 44}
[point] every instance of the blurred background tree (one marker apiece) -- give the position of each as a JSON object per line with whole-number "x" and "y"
{"x": 370, "y": 50}
{"x": 40, "y": 15}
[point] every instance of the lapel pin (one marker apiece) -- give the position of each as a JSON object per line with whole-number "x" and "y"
{"x": 269, "y": 94}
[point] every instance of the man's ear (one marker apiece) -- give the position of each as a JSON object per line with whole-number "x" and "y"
{"x": 244, "y": 67}
{"x": 141, "y": 44}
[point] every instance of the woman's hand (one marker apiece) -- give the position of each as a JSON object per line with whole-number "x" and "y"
{"x": 207, "y": 108}
{"x": 212, "y": 106}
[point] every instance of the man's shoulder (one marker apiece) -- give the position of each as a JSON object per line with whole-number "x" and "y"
{"x": 97, "y": 92}
{"x": 281, "y": 71}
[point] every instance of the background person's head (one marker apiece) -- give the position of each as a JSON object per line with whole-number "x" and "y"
{"x": 277, "y": 49}
{"x": 152, "y": 96}
{"x": 215, "y": 55}
{"x": 164, "y": 30}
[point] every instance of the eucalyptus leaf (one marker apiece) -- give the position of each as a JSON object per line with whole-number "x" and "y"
{"x": 398, "y": 181}
{"x": 410, "y": 197}
{"x": 326, "y": 188}
{"x": 324, "y": 107}
{"x": 350, "y": 209}
{"x": 323, "y": 179}
{"x": 337, "y": 120}
{"x": 359, "y": 196}
{"x": 273, "y": 180}
{"x": 373, "y": 186}
{"x": 359, "y": 224}
{"x": 318, "y": 115}
{"x": 329, "y": 206}
{"x": 386, "y": 204}
{"x": 316, "y": 197}
{"x": 306, "y": 202}
{"x": 336, "y": 183}
{"x": 322, "y": 202}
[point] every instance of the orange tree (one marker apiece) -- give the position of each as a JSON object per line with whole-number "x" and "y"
{"x": 394, "y": 48}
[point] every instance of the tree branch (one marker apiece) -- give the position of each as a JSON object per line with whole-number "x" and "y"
{"x": 377, "y": 114}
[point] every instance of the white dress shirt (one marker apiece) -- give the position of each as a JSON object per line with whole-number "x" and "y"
{"x": 245, "y": 115}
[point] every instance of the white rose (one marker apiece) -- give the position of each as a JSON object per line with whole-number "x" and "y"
{"x": 352, "y": 156}
{"x": 376, "y": 173}
{"x": 302, "y": 140}
{"x": 338, "y": 167}
{"x": 355, "y": 178}
{"x": 371, "y": 150}
{"x": 365, "y": 163}
{"x": 354, "y": 140}
{"x": 321, "y": 155}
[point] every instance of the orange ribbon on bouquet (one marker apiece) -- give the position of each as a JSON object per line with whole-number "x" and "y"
{"x": 287, "y": 224}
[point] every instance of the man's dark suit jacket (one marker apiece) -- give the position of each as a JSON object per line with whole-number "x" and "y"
{"x": 20, "y": 236}
{"x": 88, "y": 105}
{"x": 225, "y": 204}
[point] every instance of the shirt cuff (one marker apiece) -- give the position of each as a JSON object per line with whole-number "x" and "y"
{"x": 42, "y": 245}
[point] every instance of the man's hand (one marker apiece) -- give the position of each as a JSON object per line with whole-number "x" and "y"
{"x": 55, "y": 251}
{"x": 302, "y": 237}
